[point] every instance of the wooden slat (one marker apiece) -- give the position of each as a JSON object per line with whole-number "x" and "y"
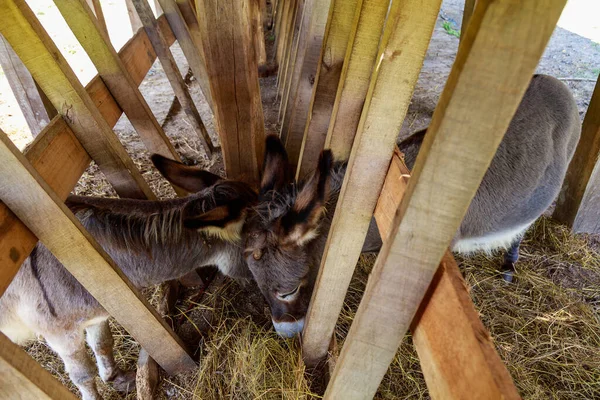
{"x": 23, "y": 378}
{"x": 96, "y": 7}
{"x": 409, "y": 26}
{"x": 467, "y": 14}
{"x": 277, "y": 19}
{"x": 114, "y": 74}
{"x": 354, "y": 81}
{"x": 571, "y": 209}
{"x": 258, "y": 32}
{"x": 134, "y": 19}
{"x": 343, "y": 17}
{"x": 233, "y": 73}
{"x": 489, "y": 77}
{"x": 26, "y": 193}
{"x": 283, "y": 32}
{"x": 172, "y": 71}
{"x": 291, "y": 50}
{"x": 53, "y": 74}
{"x": 60, "y": 159}
{"x": 307, "y": 77}
{"x": 191, "y": 44}
{"x": 24, "y": 88}
{"x": 457, "y": 354}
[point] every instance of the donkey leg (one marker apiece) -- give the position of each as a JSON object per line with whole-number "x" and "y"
{"x": 100, "y": 339}
{"x": 79, "y": 366}
{"x": 510, "y": 258}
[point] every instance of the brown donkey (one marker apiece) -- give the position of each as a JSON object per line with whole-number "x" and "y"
{"x": 151, "y": 241}
{"x": 287, "y": 232}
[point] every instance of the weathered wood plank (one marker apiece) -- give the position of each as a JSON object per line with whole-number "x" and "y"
{"x": 355, "y": 77}
{"x": 171, "y": 70}
{"x": 96, "y": 7}
{"x": 233, "y": 74}
{"x": 134, "y": 19}
{"x": 306, "y": 76}
{"x": 343, "y": 17}
{"x": 458, "y": 148}
{"x": 409, "y": 26}
{"x": 60, "y": 159}
{"x": 282, "y": 33}
{"x": 191, "y": 44}
{"x": 291, "y": 49}
{"x": 115, "y": 76}
{"x": 25, "y": 192}
{"x": 53, "y": 74}
{"x": 457, "y": 354}
{"x": 24, "y": 89}
{"x": 571, "y": 208}
{"x": 23, "y": 378}
{"x": 258, "y": 33}
{"x": 467, "y": 14}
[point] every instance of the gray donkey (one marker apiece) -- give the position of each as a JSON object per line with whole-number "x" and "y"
{"x": 151, "y": 241}
{"x": 287, "y": 232}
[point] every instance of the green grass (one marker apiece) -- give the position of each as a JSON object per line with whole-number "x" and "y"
{"x": 447, "y": 25}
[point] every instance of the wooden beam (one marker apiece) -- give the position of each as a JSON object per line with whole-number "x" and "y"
{"x": 258, "y": 33}
{"x": 343, "y": 18}
{"x": 307, "y": 77}
{"x": 51, "y": 71}
{"x": 489, "y": 77}
{"x": 354, "y": 80}
{"x": 191, "y": 44}
{"x": 134, "y": 19}
{"x": 24, "y": 89}
{"x": 23, "y": 378}
{"x": 467, "y": 14}
{"x": 96, "y": 7}
{"x": 571, "y": 209}
{"x": 172, "y": 71}
{"x": 114, "y": 74}
{"x": 457, "y": 354}
{"x": 60, "y": 159}
{"x": 26, "y": 193}
{"x": 233, "y": 73}
{"x": 409, "y": 26}
{"x": 277, "y": 18}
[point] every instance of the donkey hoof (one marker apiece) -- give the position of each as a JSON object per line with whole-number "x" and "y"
{"x": 508, "y": 275}
{"x": 124, "y": 382}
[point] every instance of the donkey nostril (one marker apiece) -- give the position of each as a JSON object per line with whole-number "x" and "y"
{"x": 257, "y": 254}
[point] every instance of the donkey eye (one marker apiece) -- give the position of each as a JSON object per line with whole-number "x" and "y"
{"x": 287, "y": 296}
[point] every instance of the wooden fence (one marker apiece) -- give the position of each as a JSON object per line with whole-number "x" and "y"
{"x": 347, "y": 72}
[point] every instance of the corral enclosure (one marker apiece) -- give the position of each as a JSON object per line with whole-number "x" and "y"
{"x": 314, "y": 44}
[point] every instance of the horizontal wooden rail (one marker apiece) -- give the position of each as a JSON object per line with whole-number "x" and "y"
{"x": 456, "y": 352}
{"x": 60, "y": 159}
{"x": 37, "y": 205}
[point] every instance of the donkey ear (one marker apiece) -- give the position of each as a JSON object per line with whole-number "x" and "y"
{"x": 192, "y": 179}
{"x": 300, "y": 224}
{"x": 276, "y": 168}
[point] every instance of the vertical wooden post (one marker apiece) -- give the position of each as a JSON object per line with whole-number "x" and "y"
{"x": 21, "y": 377}
{"x": 354, "y": 82}
{"x": 343, "y": 18}
{"x": 289, "y": 52}
{"x": 51, "y": 71}
{"x": 281, "y": 32}
{"x": 571, "y": 208}
{"x": 233, "y": 73}
{"x": 117, "y": 79}
{"x": 409, "y": 26}
{"x": 24, "y": 88}
{"x": 170, "y": 67}
{"x": 467, "y": 13}
{"x": 258, "y": 33}
{"x": 191, "y": 44}
{"x": 458, "y": 148}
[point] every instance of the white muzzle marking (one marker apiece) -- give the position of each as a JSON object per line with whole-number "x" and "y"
{"x": 289, "y": 329}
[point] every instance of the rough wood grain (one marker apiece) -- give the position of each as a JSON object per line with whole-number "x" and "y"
{"x": 457, "y": 354}
{"x": 187, "y": 32}
{"x": 24, "y": 89}
{"x": 343, "y": 17}
{"x": 258, "y": 33}
{"x": 169, "y": 65}
{"x": 115, "y": 76}
{"x": 233, "y": 73}
{"x": 35, "y": 48}
{"x": 23, "y": 378}
{"x": 25, "y": 192}
{"x": 489, "y": 77}
{"x": 96, "y": 7}
{"x": 574, "y": 207}
{"x": 355, "y": 77}
{"x": 410, "y": 24}
{"x": 60, "y": 159}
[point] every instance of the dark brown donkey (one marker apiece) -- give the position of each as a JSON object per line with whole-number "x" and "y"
{"x": 287, "y": 232}
{"x": 151, "y": 241}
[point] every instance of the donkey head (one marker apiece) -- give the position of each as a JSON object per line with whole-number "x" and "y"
{"x": 217, "y": 206}
{"x": 281, "y": 233}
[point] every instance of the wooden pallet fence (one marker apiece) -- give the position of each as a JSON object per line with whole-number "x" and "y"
{"x": 459, "y": 146}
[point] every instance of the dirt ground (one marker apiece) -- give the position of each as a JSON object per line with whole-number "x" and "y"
{"x": 571, "y": 57}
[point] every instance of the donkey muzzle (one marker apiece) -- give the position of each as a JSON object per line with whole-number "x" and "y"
{"x": 289, "y": 329}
